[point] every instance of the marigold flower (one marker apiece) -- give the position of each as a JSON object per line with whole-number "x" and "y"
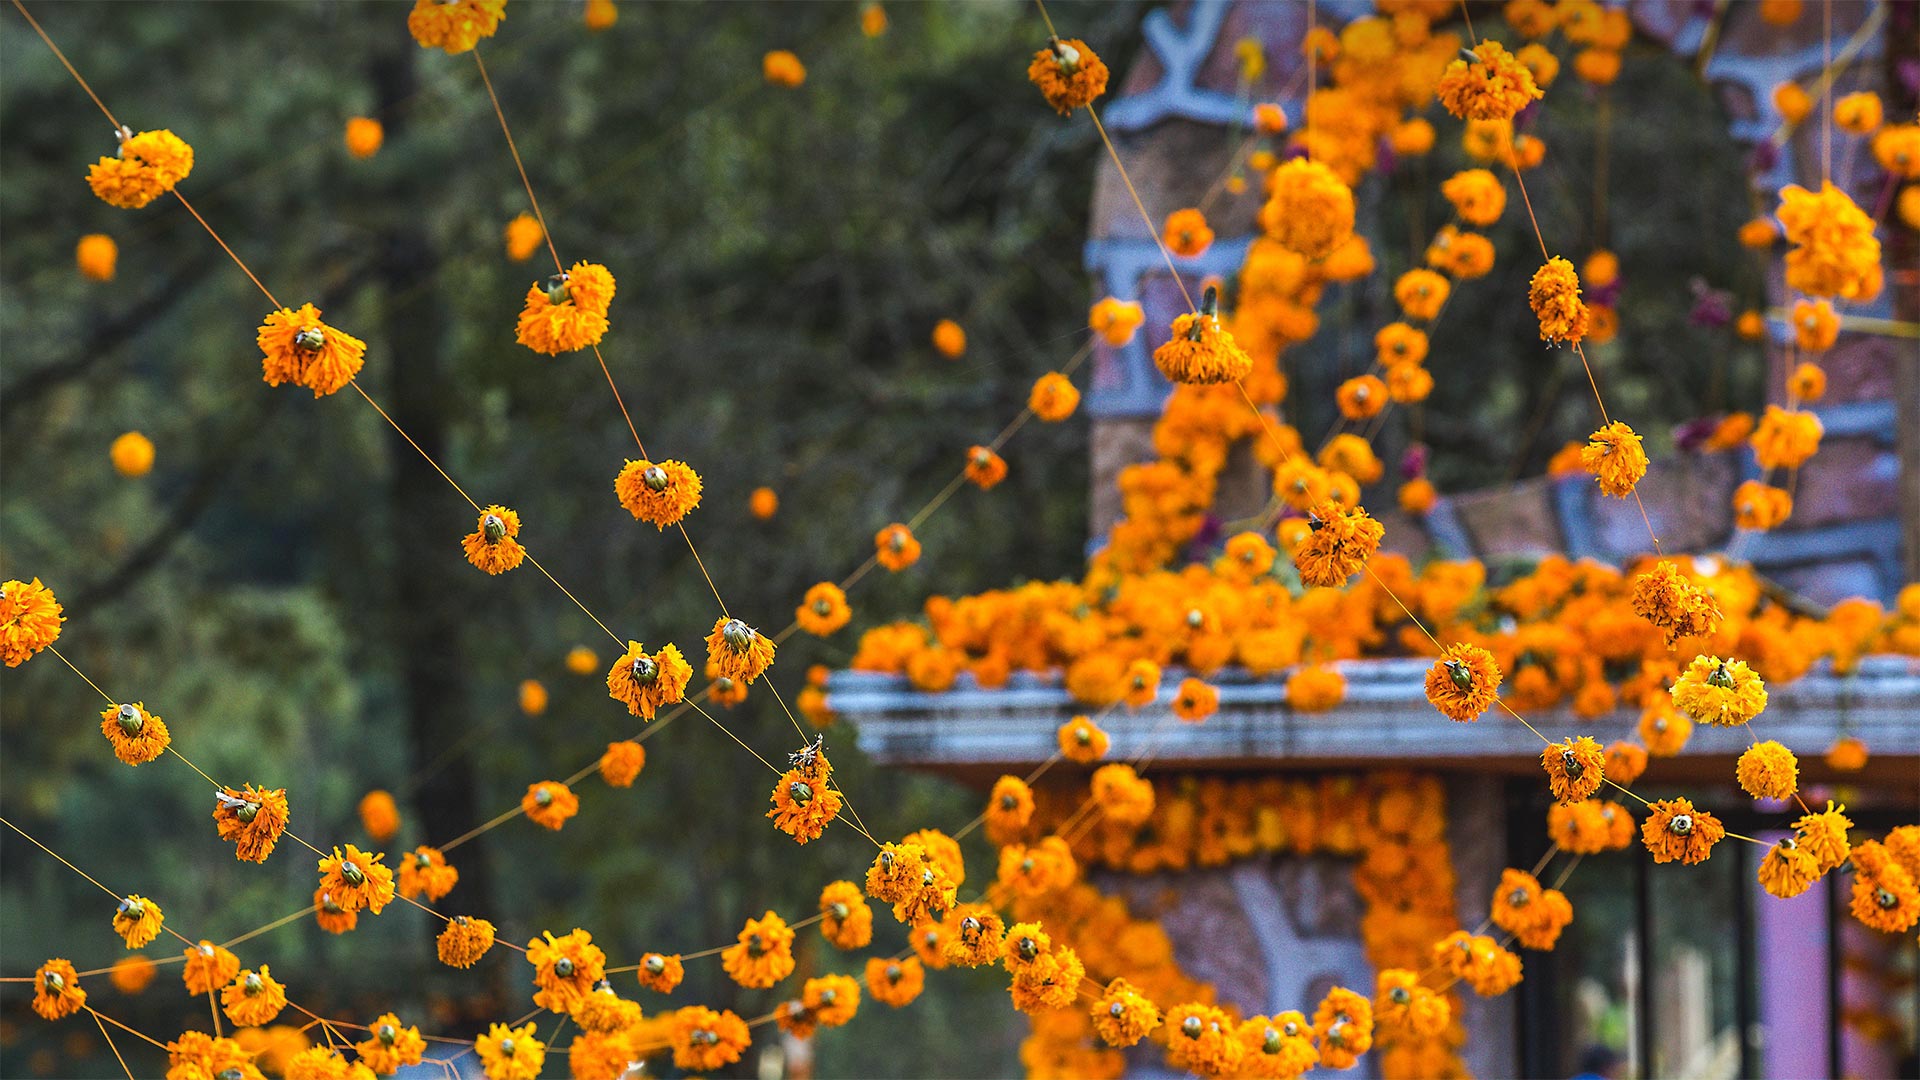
{"x": 147, "y": 166}
{"x": 425, "y": 872}
{"x": 1463, "y": 255}
{"x": 532, "y": 696}
{"x": 917, "y": 886}
{"x": 826, "y": 1001}
{"x": 1082, "y": 740}
{"x": 895, "y": 982}
{"x": 1671, "y": 601}
{"x": 1050, "y": 983}
{"x": 1625, "y": 762}
{"x": 804, "y": 801}
{"x": 1787, "y": 870}
{"x": 1785, "y": 440}
{"x": 523, "y": 237}
{"x": 1884, "y": 895}
{"x": 1315, "y": 688}
{"x": 253, "y": 999}
{"x": 1675, "y": 830}
{"x": 1847, "y": 754}
{"x": 1122, "y": 796}
{"x": 1815, "y": 329}
{"x": 1344, "y": 1024}
{"x": 1664, "y": 728}
{"x": 782, "y": 68}
{"x": 1309, "y": 210}
{"x": 601, "y": 15}
{"x": 1068, "y": 73}
{"x": 1751, "y": 326}
{"x": 1760, "y": 506}
{"x": 644, "y": 681}
{"x": 208, "y": 967}
{"x": 1479, "y": 961}
{"x": 1615, "y": 459}
{"x": 1835, "y": 253}
{"x": 1402, "y": 1006}
{"x": 1201, "y": 1039}
{"x": 846, "y": 920}
{"x": 1575, "y": 768}
{"x": 549, "y": 804}
{"x": 96, "y": 255}
{"x": 1907, "y": 206}
{"x": 56, "y": 990}
{"x": 949, "y": 339}
{"x": 1477, "y": 196}
{"x": 1194, "y": 702}
{"x": 565, "y": 969}
{"x": 662, "y": 494}
{"x": 491, "y": 545}
{"x": 1540, "y": 62}
{"x": 1554, "y": 295}
{"x": 1186, "y": 233}
{"x": 297, "y": 347}
{"x": 895, "y": 547}
{"x": 1200, "y": 350}
{"x": 132, "y": 974}
{"x": 510, "y": 1053}
{"x": 1464, "y": 682}
{"x": 464, "y": 941}
{"x": 1421, "y": 294}
{"x": 1116, "y": 321}
{"x": 978, "y": 936}
{"x": 824, "y": 610}
{"x": 1716, "y": 691}
{"x": 621, "y": 763}
{"x": 1123, "y": 1015}
{"x": 1269, "y": 118}
{"x": 1339, "y": 545}
{"x": 1859, "y": 113}
{"x": 1053, "y": 397}
{"x": 984, "y": 467}
{"x": 454, "y": 26}
{"x": 379, "y": 815}
{"x": 357, "y": 879}
{"x": 568, "y": 312}
{"x": 330, "y": 916}
{"x": 1768, "y": 770}
{"x": 137, "y": 920}
{"x": 1494, "y": 86}
{"x": 1897, "y": 149}
{"x": 364, "y": 136}
{"x": 390, "y": 1046}
{"x": 137, "y": 736}
{"x": 1361, "y": 397}
{"x": 1533, "y": 915}
{"x": 131, "y": 454}
{"x": 738, "y": 650}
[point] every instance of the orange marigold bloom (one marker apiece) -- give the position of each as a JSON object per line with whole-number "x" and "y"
{"x": 1053, "y": 398}
{"x": 137, "y": 735}
{"x": 297, "y": 347}
{"x": 1464, "y": 255}
{"x": 379, "y": 815}
{"x": 56, "y": 990}
{"x": 1768, "y": 770}
{"x": 620, "y": 765}
{"x": 804, "y": 801}
{"x": 523, "y": 236}
{"x": 1464, "y": 682}
{"x": 644, "y": 681}
{"x": 1716, "y": 691}
{"x": 1673, "y": 602}
{"x": 357, "y": 879}
{"x": 1625, "y": 762}
{"x": 1835, "y": 252}
{"x": 147, "y": 166}
{"x": 1269, "y": 118}
{"x": 549, "y": 804}
{"x": 29, "y": 619}
{"x": 917, "y": 887}
{"x": 782, "y": 68}
{"x": 252, "y": 819}
{"x": 1615, "y": 459}
{"x": 565, "y": 969}
{"x": 1309, "y": 210}
{"x": 1069, "y": 74}
{"x": 1664, "y": 728}
{"x": 661, "y": 495}
{"x": 660, "y": 972}
{"x": 331, "y": 917}
{"x": 739, "y": 651}
{"x": 1402, "y": 1005}
{"x": 1200, "y": 350}
{"x": 491, "y": 545}
{"x": 1847, "y": 754}
{"x": 1477, "y": 196}
{"x": 1050, "y": 983}
{"x": 132, "y": 974}
{"x": 704, "y": 1040}
{"x": 510, "y": 1053}
{"x": 464, "y": 941}
{"x": 895, "y": 982}
{"x": 1186, "y": 233}
{"x": 1575, "y": 768}
{"x": 1815, "y": 329}
{"x": 1009, "y": 807}
{"x": 391, "y": 1045}
{"x": 1315, "y": 688}
{"x": 1785, "y": 440}
{"x": 1495, "y": 86}
{"x": 425, "y": 872}
{"x": 1675, "y": 830}
{"x": 1201, "y": 1039}
{"x": 253, "y": 999}
{"x": 895, "y": 547}
{"x": 1554, "y": 295}
{"x": 1884, "y": 895}
{"x": 1339, "y": 546}
{"x": 568, "y": 312}
{"x": 1143, "y": 684}
{"x": 1082, "y": 740}
{"x": 137, "y": 920}
{"x": 454, "y": 26}
{"x": 1123, "y": 1015}
{"x": 1116, "y": 321}
{"x": 1479, "y": 961}
{"x": 1859, "y": 113}
{"x": 949, "y": 339}
{"x": 1897, "y": 149}
{"x": 1421, "y": 294}
{"x": 984, "y": 467}
{"x": 605, "y": 1012}
{"x": 1344, "y": 1024}
{"x": 96, "y": 255}
{"x": 364, "y": 136}
{"x": 1397, "y": 344}
{"x": 1279, "y": 1047}
{"x": 846, "y": 919}
{"x": 1787, "y": 870}
{"x": 1417, "y": 496}
{"x": 1792, "y": 101}
{"x": 1361, "y": 397}
{"x": 826, "y": 1001}
{"x": 824, "y": 610}
{"x": 131, "y": 453}
{"x": 1533, "y": 915}
{"x": 1760, "y": 506}
{"x": 978, "y": 937}
{"x": 208, "y": 967}
{"x": 1122, "y": 796}
{"x": 1195, "y": 701}
{"x": 1823, "y": 835}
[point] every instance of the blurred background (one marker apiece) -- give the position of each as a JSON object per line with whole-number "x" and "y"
{"x": 286, "y": 589}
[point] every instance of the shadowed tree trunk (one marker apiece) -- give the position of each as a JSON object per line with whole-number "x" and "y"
{"x": 427, "y": 610}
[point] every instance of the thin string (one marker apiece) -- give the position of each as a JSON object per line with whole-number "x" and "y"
{"x": 110, "y": 1046}
{"x": 546, "y": 233}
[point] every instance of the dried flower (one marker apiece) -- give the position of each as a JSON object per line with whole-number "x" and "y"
{"x": 549, "y": 804}
{"x": 1068, "y": 73}
{"x": 297, "y": 347}
{"x": 491, "y": 545}
{"x": 644, "y": 681}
